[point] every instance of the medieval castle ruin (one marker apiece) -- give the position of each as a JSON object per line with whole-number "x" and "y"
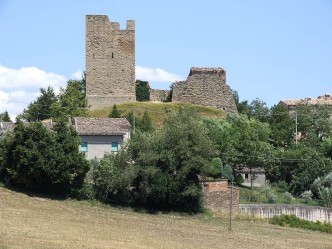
{"x": 110, "y": 71}
{"x": 110, "y": 62}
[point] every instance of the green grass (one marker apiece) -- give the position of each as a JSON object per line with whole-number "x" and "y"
{"x": 293, "y": 221}
{"x": 157, "y": 111}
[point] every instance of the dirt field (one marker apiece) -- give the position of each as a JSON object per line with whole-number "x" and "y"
{"x": 35, "y": 222}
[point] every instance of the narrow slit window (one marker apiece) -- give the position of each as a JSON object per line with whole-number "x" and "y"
{"x": 112, "y": 55}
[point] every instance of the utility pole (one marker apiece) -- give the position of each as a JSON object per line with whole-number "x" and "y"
{"x": 134, "y": 120}
{"x": 296, "y": 127}
{"x": 230, "y": 208}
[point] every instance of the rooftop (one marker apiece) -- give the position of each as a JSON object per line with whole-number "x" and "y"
{"x": 101, "y": 126}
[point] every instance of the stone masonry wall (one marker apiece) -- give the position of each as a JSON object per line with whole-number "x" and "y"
{"x": 217, "y": 196}
{"x": 207, "y": 87}
{"x": 110, "y": 62}
{"x": 157, "y": 95}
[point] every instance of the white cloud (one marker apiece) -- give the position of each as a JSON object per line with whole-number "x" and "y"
{"x": 155, "y": 74}
{"x": 19, "y": 87}
{"x": 77, "y": 75}
{"x": 28, "y": 78}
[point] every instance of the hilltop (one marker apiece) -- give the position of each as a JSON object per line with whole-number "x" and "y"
{"x": 156, "y": 110}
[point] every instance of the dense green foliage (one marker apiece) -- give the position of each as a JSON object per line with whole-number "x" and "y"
{"x": 40, "y": 109}
{"x": 115, "y": 113}
{"x": 293, "y": 221}
{"x": 42, "y": 160}
{"x": 5, "y": 117}
{"x": 69, "y": 102}
{"x": 160, "y": 169}
{"x": 142, "y": 90}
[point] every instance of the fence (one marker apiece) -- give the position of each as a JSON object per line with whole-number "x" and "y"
{"x": 310, "y": 213}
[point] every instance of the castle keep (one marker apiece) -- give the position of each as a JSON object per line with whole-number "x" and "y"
{"x": 207, "y": 87}
{"x": 110, "y": 62}
{"x": 110, "y": 71}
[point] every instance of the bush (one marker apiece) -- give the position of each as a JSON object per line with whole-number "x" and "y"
{"x": 38, "y": 159}
{"x": 271, "y": 197}
{"x": 288, "y": 197}
{"x": 142, "y": 90}
{"x": 307, "y": 196}
{"x": 282, "y": 186}
{"x": 293, "y": 221}
{"x": 239, "y": 179}
{"x": 86, "y": 192}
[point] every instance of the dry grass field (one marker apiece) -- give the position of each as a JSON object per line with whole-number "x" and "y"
{"x": 34, "y": 222}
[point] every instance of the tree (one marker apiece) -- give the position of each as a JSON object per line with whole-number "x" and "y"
{"x": 71, "y": 101}
{"x": 282, "y": 126}
{"x": 142, "y": 90}
{"x": 169, "y": 162}
{"x": 258, "y": 110}
{"x": 113, "y": 177}
{"x": 42, "y": 160}
{"x": 5, "y": 117}
{"x": 145, "y": 124}
{"x": 314, "y": 123}
{"x": 40, "y": 109}
{"x": 115, "y": 113}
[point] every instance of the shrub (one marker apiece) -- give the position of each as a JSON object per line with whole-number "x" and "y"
{"x": 293, "y": 221}
{"x": 288, "y": 197}
{"x": 307, "y": 196}
{"x": 282, "y": 186}
{"x": 325, "y": 194}
{"x": 44, "y": 161}
{"x": 271, "y": 197}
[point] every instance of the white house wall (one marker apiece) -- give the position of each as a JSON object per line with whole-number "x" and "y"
{"x": 98, "y": 146}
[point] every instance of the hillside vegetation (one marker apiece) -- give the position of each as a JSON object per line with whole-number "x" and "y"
{"x": 30, "y": 221}
{"x": 156, "y": 110}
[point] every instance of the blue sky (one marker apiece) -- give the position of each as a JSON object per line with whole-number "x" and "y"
{"x": 272, "y": 50}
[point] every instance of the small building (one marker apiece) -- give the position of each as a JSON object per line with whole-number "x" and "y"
{"x": 254, "y": 174}
{"x": 291, "y": 104}
{"x": 6, "y": 127}
{"x": 100, "y": 136}
{"x": 217, "y": 195}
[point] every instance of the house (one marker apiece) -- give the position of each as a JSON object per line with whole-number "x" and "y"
{"x": 291, "y": 104}
{"x": 254, "y": 174}
{"x": 6, "y": 127}
{"x": 100, "y": 136}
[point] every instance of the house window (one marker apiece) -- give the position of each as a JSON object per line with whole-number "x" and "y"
{"x": 84, "y": 147}
{"x": 115, "y": 146}
{"x": 246, "y": 176}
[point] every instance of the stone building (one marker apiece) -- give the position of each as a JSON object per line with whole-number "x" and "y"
{"x": 291, "y": 104}
{"x": 110, "y": 62}
{"x": 217, "y": 195}
{"x": 207, "y": 87}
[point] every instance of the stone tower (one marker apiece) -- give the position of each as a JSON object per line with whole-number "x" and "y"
{"x": 207, "y": 87}
{"x": 110, "y": 62}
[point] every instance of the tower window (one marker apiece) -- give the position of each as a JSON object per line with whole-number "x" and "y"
{"x": 112, "y": 55}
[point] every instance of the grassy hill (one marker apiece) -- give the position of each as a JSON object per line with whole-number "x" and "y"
{"x": 157, "y": 111}
{"x": 32, "y": 221}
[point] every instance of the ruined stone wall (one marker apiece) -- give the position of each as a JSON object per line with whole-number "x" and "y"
{"x": 110, "y": 62}
{"x": 157, "y": 95}
{"x": 207, "y": 87}
{"x": 217, "y": 196}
